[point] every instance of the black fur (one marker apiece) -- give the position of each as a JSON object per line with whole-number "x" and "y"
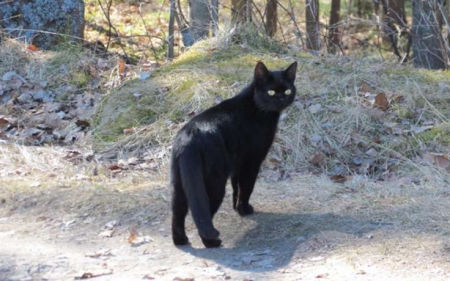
{"x": 229, "y": 140}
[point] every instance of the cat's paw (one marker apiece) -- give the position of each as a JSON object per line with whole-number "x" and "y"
{"x": 180, "y": 241}
{"x": 245, "y": 210}
{"x": 212, "y": 243}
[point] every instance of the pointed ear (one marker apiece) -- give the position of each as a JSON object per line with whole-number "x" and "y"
{"x": 261, "y": 71}
{"x": 290, "y": 72}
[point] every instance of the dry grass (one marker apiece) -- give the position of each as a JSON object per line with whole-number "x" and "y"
{"x": 333, "y": 116}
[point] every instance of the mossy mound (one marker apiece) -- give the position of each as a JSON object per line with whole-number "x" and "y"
{"x": 335, "y": 124}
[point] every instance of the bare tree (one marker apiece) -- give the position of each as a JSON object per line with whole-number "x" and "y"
{"x": 312, "y": 24}
{"x": 271, "y": 17}
{"x": 241, "y": 11}
{"x": 394, "y": 18}
{"x": 427, "y": 40}
{"x": 333, "y": 31}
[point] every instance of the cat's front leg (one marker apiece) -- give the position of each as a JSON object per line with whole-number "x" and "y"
{"x": 234, "y": 184}
{"x": 247, "y": 178}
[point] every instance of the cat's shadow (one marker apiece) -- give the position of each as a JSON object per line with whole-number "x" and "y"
{"x": 276, "y": 238}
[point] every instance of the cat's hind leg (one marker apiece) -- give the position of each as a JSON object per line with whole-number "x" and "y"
{"x": 194, "y": 186}
{"x": 179, "y": 212}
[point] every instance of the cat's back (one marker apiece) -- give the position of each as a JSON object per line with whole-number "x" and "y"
{"x": 211, "y": 126}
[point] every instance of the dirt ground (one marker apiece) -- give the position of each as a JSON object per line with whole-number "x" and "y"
{"x": 56, "y": 219}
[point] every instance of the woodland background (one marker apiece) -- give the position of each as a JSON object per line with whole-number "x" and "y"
{"x": 355, "y": 186}
{"x": 408, "y": 29}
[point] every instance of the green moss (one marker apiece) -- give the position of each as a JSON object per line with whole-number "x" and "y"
{"x": 439, "y": 135}
{"x": 403, "y": 111}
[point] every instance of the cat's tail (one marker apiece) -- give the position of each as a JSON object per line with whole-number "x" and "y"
{"x": 193, "y": 183}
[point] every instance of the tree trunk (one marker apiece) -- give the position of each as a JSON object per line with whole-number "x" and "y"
{"x": 241, "y": 11}
{"x": 200, "y": 19}
{"x": 396, "y": 11}
{"x": 428, "y": 47}
{"x": 271, "y": 17}
{"x": 333, "y": 32}
{"x": 215, "y": 16}
{"x": 172, "y": 16}
{"x": 43, "y": 23}
{"x": 312, "y": 25}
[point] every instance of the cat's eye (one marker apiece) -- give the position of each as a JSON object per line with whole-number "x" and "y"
{"x": 271, "y": 92}
{"x": 288, "y": 92}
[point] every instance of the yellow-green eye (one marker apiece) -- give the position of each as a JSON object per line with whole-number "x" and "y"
{"x": 271, "y": 92}
{"x": 288, "y": 92}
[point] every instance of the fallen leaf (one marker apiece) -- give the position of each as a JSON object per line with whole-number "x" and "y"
{"x": 323, "y": 275}
{"x": 144, "y": 75}
{"x": 111, "y": 225}
{"x": 364, "y": 87}
{"x": 32, "y": 48}
{"x": 129, "y": 131}
{"x": 121, "y": 68}
{"x": 88, "y": 275}
{"x": 133, "y": 234}
{"x": 372, "y": 152}
{"x": 442, "y": 161}
{"x": 381, "y": 101}
{"x": 338, "y": 178}
{"x": 316, "y": 108}
{"x": 115, "y": 168}
{"x": 317, "y": 159}
{"x": 148, "y": 277}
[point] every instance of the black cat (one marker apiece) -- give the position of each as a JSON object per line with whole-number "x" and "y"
{"x": 229, "y": 140}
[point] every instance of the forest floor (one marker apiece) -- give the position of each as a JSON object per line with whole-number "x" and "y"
{"x": 61, "y": 221}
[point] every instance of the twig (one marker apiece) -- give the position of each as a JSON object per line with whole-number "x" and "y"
{"x": 112, "y": 27}
{"x": 299, "y": 33}
{"x": 148, "y": 34}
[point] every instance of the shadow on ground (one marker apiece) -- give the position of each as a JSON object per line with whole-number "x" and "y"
{"x": 276, "y": 238}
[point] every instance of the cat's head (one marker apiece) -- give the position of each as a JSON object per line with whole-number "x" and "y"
{"x": 274, "y": 90}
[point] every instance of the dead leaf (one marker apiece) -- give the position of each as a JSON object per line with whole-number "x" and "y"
{"x": 133, "y": 234}
{"x": 317, "y": 159}
{"x": 129, "y": 131}
{"x": 115, "y": 168}
{"x": 183, "y": 279}
{"x": 88, "y": 275}
{"x": 442, "y": 161}
{"x": 381, "y": 101}
{"x": 338, "y": 178}
{"x": 364, "y": 87}
{"x": 32, "y": 48}
{"x": 323, "y": 275}
{"x": 316, "y": 108}
{"x": 148, "y": 277}
{"x": 121, "y": 68}
{"x": 372, "y": 152}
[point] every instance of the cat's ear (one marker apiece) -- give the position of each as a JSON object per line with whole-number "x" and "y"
{"x": 261, "y": 71}
{"x": 290, "y": 72}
